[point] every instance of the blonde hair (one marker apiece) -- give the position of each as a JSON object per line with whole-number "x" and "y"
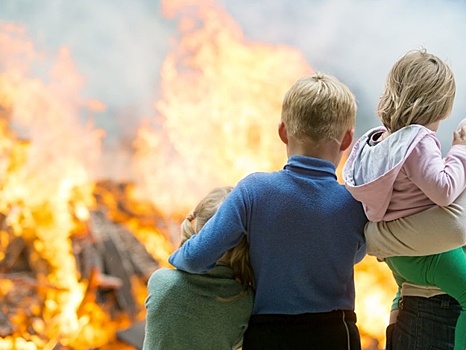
{"x": 420, "y": 89}
{"x": 238, "y": 257}
{"x": 318, "y": 107}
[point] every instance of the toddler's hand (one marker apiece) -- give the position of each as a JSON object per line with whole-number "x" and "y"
{"x": 459, "y": 135}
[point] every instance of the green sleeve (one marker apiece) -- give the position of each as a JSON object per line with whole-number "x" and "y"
{"x": 399, "y": 282}
{"x": 396, "y": 300}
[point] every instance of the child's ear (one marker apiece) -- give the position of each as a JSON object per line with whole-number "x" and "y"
{"x": 347, "y": 140}
{"x": 283, "y": 133}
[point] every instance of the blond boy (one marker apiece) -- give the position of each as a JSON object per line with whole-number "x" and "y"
{"x": 305, "y": 231}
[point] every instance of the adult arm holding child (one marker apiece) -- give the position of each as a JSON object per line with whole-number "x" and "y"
{"x": 419, "y": 234}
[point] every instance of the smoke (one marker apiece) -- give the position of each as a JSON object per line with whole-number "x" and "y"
{"x": 359, "y": 41}
{"x": 119, "y": 45}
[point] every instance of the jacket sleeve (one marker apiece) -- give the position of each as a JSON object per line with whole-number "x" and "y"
{"x": 441, "y": 179}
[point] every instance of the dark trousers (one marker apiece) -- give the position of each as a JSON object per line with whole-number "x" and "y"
{"x": 335, "y": 330}
{"x": 424, "y": 324}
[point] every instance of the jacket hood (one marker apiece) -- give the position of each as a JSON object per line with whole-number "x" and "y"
{"x": 373, "y": 166}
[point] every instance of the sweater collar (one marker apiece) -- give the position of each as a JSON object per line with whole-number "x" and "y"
{"x": 310, "y": 166}
{"x": 221, "y": 270}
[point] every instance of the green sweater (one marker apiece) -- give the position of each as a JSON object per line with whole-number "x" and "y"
{"x": 184, "y": 311}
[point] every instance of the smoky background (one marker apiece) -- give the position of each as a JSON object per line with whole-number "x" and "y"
{"x": 119, "y": 46}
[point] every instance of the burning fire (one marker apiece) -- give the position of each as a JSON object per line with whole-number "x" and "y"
{"x": 215, "y": 122}
{"x": 46, "y": 196}
{"x": 219, "y": 109}
{"x": 45, "y": 186}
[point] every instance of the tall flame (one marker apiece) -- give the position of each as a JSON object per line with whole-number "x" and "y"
{"x": 46, "y": 185}
{"x": 218, "y": 112}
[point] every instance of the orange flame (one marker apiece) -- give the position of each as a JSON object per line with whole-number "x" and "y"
{"x": 47, "y": 186}
{"x": 218, "y": 112}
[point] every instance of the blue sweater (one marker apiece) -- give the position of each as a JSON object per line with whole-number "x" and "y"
{"x": 305, "y": 233}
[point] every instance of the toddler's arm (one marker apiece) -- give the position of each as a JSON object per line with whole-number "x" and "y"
{"x": 431, "y": 231}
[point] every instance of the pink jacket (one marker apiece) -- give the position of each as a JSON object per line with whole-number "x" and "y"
{"x": 403, "y": 174}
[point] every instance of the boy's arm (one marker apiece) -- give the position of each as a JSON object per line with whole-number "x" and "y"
{"x": 431, "y": 231}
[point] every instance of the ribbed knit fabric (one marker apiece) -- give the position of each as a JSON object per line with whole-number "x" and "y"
{"x": 187, "y": 312}
{"x": 305, "y": 233}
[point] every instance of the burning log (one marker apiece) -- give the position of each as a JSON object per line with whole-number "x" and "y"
{"x": 22, "y": 300}
{"x": 13, "y": 259}
{"x": 5, "y": 325}
{"x": 121, "y": 256}
{"x": 110, "y": 261}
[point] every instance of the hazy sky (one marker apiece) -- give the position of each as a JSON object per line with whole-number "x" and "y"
{"x": 359, "y": 40}
{"x": 119, "y": 45}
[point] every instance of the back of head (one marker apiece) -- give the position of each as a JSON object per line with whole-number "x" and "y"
{"x": 203, "y": 211}
{"x": 238, "y": 257}
{"x": 318, "y": 107}
{"x": 420, "y": 89}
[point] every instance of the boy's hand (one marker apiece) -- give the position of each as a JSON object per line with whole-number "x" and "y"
{"x": 459, "y": 135}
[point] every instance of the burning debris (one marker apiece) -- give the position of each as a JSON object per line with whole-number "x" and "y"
{"x": 73, "y": 258}
{"x": 112, "y": 268}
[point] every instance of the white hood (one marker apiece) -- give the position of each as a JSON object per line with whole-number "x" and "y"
{"x": 372, "y": 166}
